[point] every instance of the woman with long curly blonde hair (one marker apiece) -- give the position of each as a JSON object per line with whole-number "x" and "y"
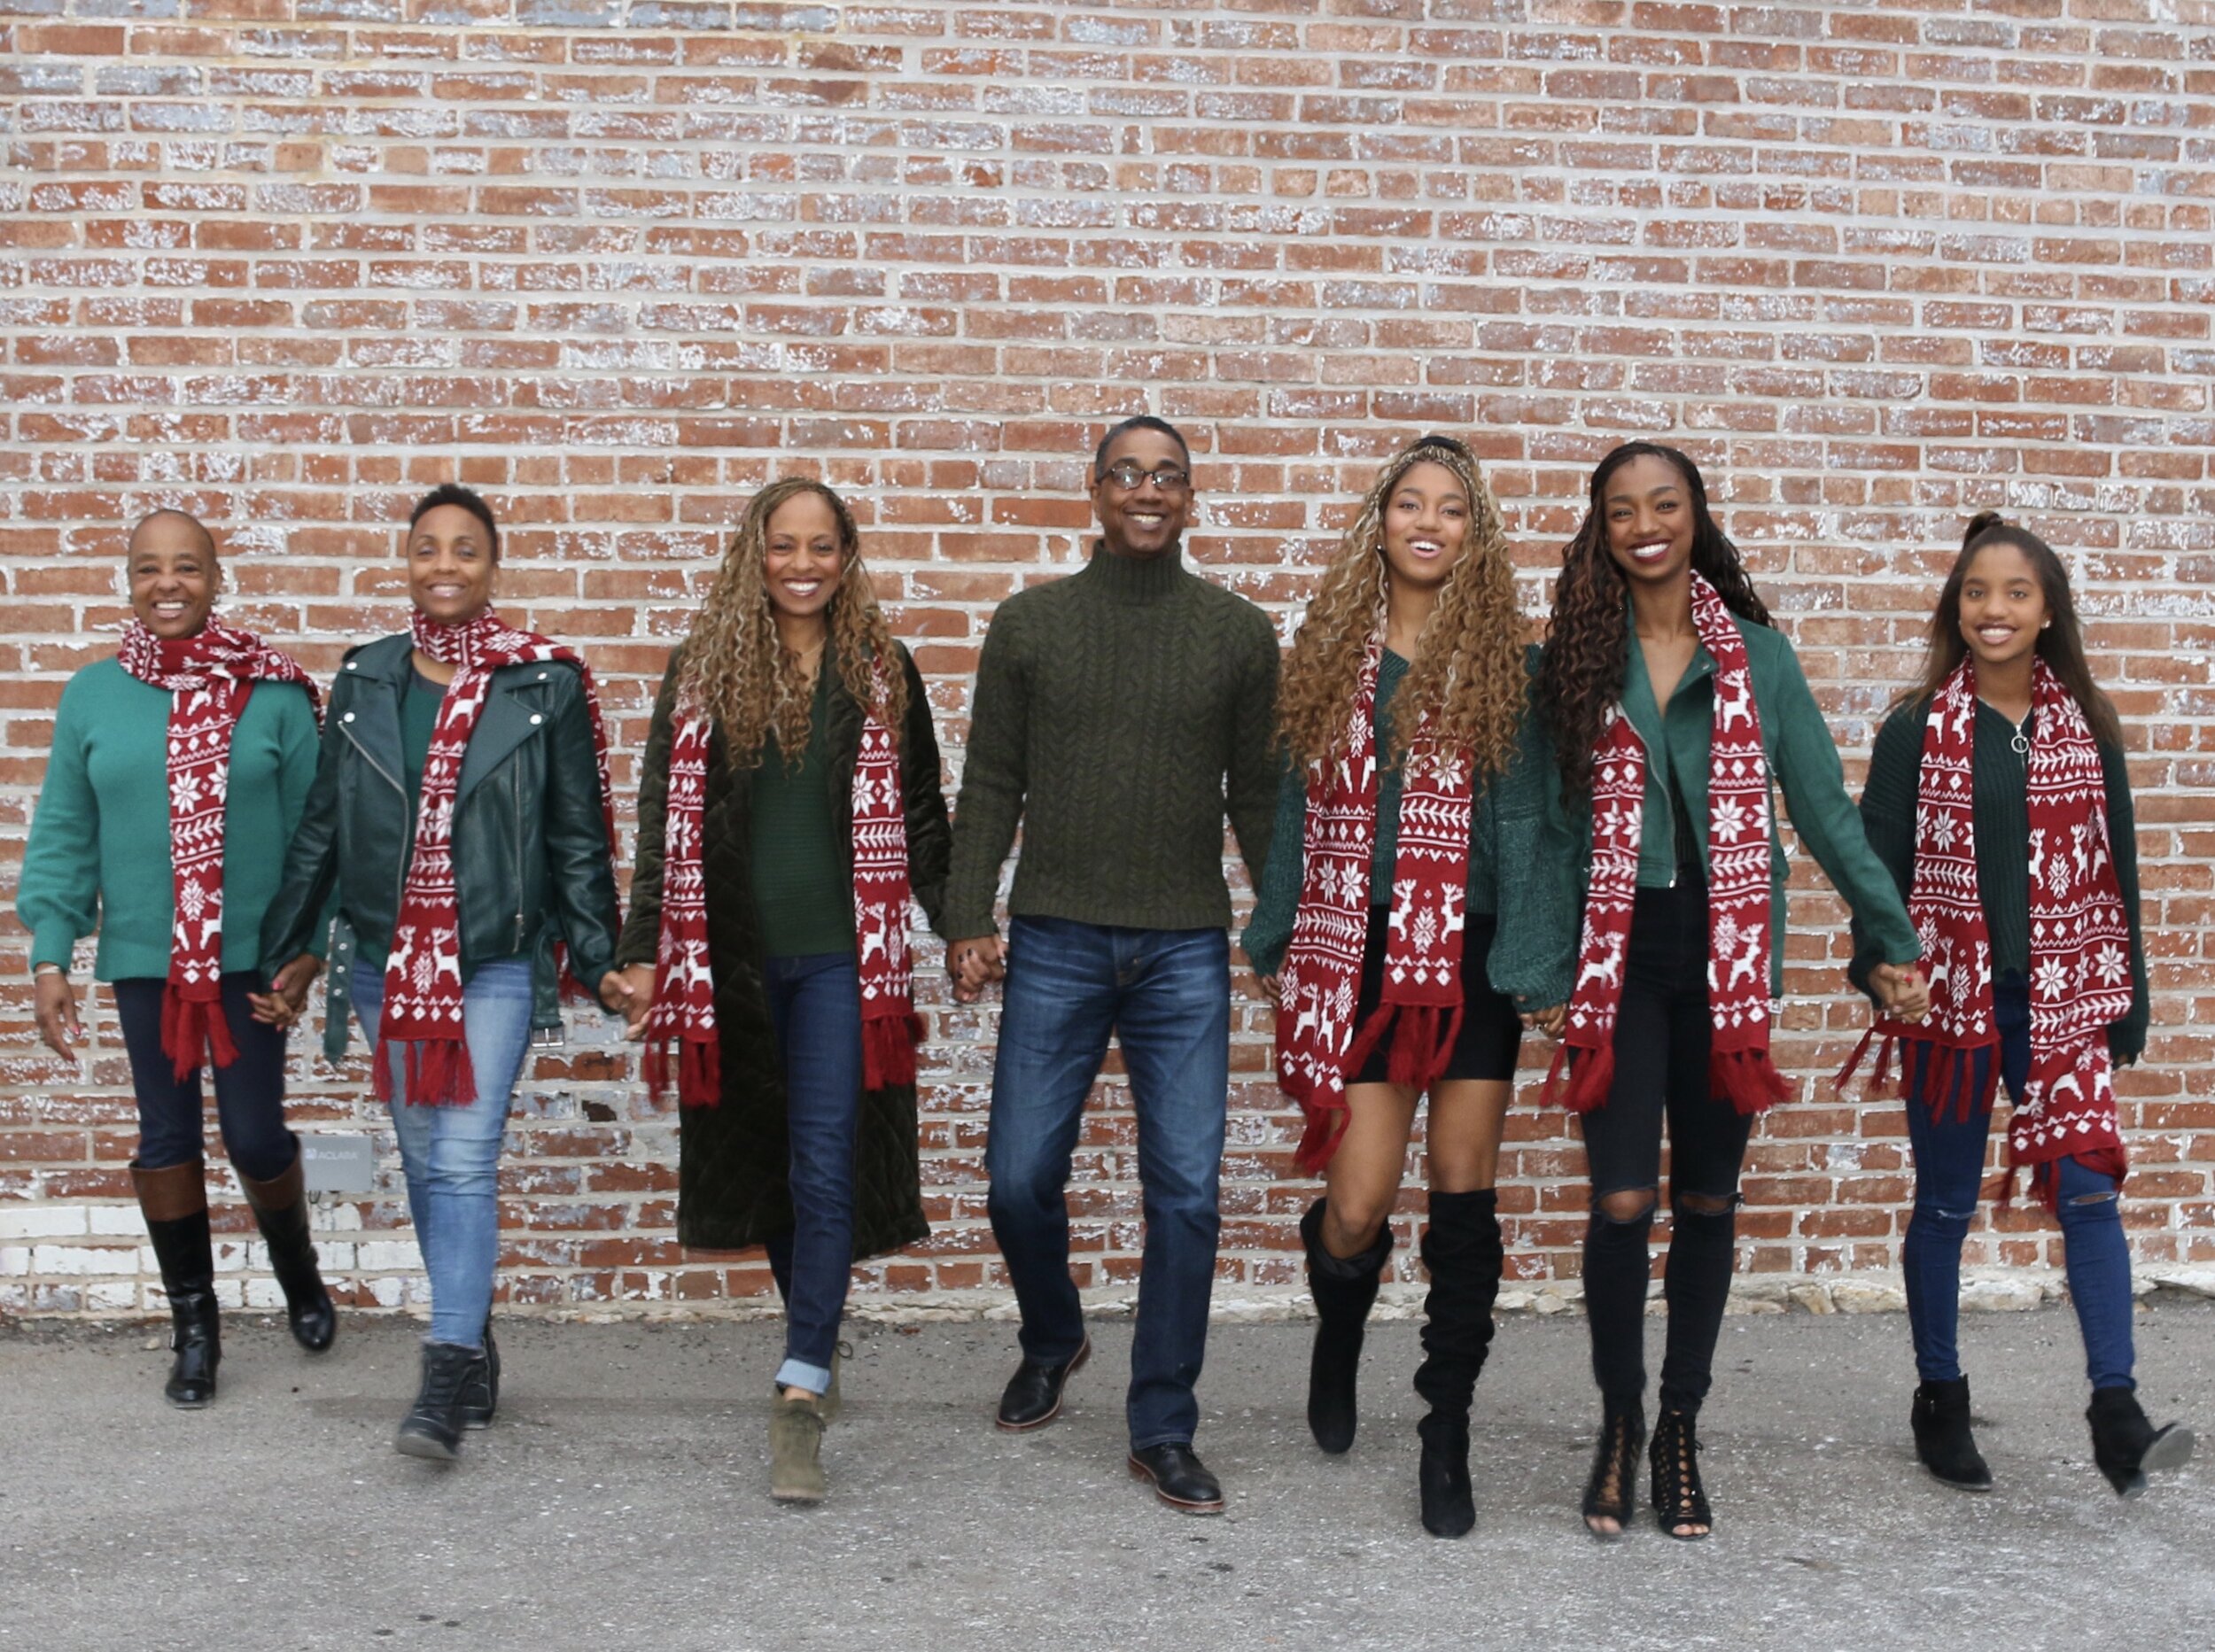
{"x": 789, "y": 807}
{"x": 1393, "y": 946}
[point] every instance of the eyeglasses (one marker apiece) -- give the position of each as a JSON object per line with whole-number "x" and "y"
{"x": 1128, "y": 473}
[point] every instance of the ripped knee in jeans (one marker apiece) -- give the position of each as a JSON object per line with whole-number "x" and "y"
{"x": 1683, "y": 1204}
{"x": 1628, "y": 1207}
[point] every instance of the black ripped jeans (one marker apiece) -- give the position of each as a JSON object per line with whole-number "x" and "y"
{"x": 1662, "y": 1032}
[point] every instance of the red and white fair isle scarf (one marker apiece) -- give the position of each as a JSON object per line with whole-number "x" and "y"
{"x": 684, "y": 995}
{"x": 423, "y": 974}
{"x": 1420, "y": 1001}
{"x": 210, "y": 676}
{"x": 2081, "y": 976}
{"x": 1738, "y": 1064}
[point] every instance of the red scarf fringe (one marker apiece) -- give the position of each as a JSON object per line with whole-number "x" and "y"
{"x": 439, "y": 1072}
{"x": 191, "y": 1024}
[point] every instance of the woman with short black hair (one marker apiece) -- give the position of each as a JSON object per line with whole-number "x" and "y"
{"x": 460, "y": 810}
{"x": 176, "y": 772}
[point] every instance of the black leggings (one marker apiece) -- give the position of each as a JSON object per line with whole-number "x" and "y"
{"x": 1662, "y": 1033}
{"x": 249, "y": 1093}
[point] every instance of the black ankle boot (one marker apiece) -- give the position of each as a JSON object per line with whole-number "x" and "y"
{"x": 433, "y": 1428}
{"x": 1943, "y": 1440}
{"x": 1345, "y": 1289}
{"x": 2126, "y": 1444}
{"x": 1462, "y": 1251}
{"x": 280, "y": 1208}
{"x": 480, "y": 1399}
{"x": 174, "y": 1199}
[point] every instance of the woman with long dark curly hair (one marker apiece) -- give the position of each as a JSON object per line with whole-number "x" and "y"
{"x": 1672, "y": 703}
{"x": 789, "y": 807}
{"x": 1409, "y": 782}
{"x": 1999, "y": 799}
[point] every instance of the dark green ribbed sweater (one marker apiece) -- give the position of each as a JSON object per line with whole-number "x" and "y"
{"x": 2003, "y": 835}
{"x": 804, "y": 898}
{"x": 1119, "y": 715}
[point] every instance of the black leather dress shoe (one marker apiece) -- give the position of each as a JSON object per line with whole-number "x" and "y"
{"x": 1032, "y": 1398}
{"x": 1180, "y": 1479}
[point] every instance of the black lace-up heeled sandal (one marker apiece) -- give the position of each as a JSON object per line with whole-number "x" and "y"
{"x": 1610, "y": 1492}
{"x": 1679, "y": 1500}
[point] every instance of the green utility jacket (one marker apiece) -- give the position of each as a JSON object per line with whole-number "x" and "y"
{"x": 1803, "y": 760}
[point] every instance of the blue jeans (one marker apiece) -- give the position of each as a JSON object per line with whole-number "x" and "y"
{"x": 1165, "y": 995}
{"x": 1949, "y": 1161}
{"x": 451, "y": 1155}
{"x": 815, "y": 1004}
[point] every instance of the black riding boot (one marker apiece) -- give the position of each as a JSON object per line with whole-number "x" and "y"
{"x": 1345, "y": 1289}
{"x": 174, "y": 1199}
{"x": 1462, "y": 1249}
{"x": 280, "y": 1207}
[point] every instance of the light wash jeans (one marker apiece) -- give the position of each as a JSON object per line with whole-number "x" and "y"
{"x": 451, "y": 1155}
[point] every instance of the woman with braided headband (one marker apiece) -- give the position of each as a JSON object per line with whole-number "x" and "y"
{"x": 462, "y": 812}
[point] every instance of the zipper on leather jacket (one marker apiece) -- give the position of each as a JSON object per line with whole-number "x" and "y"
{"x": 515, "y": 790}
{"x": 400, "y": 884}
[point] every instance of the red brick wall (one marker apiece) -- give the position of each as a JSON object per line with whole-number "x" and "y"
{"x": 284, "y": 262}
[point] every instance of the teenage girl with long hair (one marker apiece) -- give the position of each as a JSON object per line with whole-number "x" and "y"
{"x": 1672, "y": 703}
{"x": 1999, "y": 799}
{"x": 789, "y": 806}
{"x": 1387, "y": 934}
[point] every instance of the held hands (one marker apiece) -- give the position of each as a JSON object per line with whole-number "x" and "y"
{"x": 1901, "y": 991}
{"x": 975, "y": 964}
{"x": 1549, "y": 1021}
{"x": 55, "y": 1003}
{"x": 629, "y": 994}
{"x": 287, "y": 996}
{"x": 1263, "y": 987}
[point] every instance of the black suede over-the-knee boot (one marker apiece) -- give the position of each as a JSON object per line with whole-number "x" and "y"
{"x": 1345, "y": 1289}
{"x": 1462, "y": 1249}
{"x": 174, "y": 1199}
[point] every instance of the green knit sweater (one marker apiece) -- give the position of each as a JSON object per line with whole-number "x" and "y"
{"x": 1119, "y": 714}
{"x": 804, "y": 895}
{"x": 2001, "y": 803}
{"x": 99, "y": 855}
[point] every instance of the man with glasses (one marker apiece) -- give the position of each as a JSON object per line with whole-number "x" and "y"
{"x": 1119, "y": 714}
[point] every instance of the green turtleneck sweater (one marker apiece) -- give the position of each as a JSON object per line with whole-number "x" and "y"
{"x": 1119, "y": 715}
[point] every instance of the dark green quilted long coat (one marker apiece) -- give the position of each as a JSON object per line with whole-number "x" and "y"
{"x": 733, "y": 1159}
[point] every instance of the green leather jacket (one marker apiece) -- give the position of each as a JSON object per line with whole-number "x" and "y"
{"x": 531, "y": 859}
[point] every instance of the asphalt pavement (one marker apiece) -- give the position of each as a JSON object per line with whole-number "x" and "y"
{"x": 620, "y": 1500}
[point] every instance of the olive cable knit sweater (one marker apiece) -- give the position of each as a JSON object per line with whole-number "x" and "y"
{"x": 1120, "y": 714}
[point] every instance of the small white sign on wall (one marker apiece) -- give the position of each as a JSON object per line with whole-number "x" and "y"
{"x": 338, "y": 1162}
